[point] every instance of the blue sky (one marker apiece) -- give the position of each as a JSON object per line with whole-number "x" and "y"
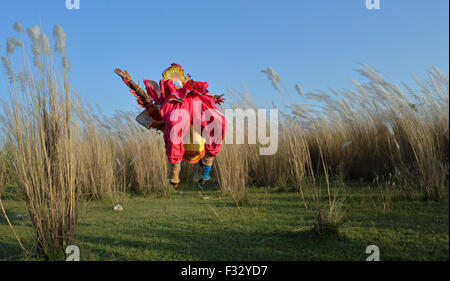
{"x": 315, "y": 43}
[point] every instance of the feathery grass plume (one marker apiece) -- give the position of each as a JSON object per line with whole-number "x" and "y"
{"x": 34, "y": 32}
{"x": 45, "y": 44}
{"x": 389, "y": 127}
{"x": 7, "y": 67}
{"x": 299, "y": 89}
{"x": 65, "y": 63}
{"x": 319, "y": 96}
{"x": 18, "y": 27}
{"x": 11, "y": 44}
{"x": 60, "y": 39}
{"x": 24, "y": 78}
{"x": 60, "y": 45}
{"x": 273, "y": 77}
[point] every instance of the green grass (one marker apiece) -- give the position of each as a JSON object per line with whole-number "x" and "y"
{"x": 273, "y": 226}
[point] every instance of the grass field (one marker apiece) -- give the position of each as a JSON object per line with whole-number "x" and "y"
{"x": 273, "y": 226}
{"x": 56, "y": 148}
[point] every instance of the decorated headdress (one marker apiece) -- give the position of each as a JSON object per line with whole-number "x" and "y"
{"x": 176, "y": 74}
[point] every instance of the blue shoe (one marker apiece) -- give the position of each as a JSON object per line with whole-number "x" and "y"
{"x": 205, "y": 173}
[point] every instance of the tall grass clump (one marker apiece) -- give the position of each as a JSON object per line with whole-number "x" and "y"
{"x": 143, "y": 166}
{"x": 117, "y": 156}
{"x": 95, "y": 151}
{"x": 324, "y": 205}
{"x": 39, "y": 128}
{"x": 231, "y": 170}
{"x": 380, "y": 128}
{"x": 330, "y": 217}
{"x": 148, "y": 165}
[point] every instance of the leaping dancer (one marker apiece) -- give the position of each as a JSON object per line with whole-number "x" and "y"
{"x": 172, "y": 107}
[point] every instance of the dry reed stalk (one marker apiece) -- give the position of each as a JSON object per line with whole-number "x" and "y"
{"x": 41, "y": 139}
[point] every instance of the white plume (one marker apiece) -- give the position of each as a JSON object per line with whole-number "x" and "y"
{"x": 7, "y": 67}
{"x": 11, "y": 44}
{"x": 60, "y": 39}
{"x": 45, "y": 44}
{"x": 272, "y": 76}
{"x": 40, "y": 45}
{"x": 299, "y": 89}
{"x": 18, "y": 27}
{"x": 34, "y": 32}
{"x": 65, "y": 63}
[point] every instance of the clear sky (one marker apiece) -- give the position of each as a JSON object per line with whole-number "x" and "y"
{"x": 315, "y": 43}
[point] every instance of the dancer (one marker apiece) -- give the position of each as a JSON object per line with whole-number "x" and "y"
{"x": 182, "y": 107}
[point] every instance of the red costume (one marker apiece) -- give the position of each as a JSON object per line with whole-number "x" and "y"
{"x": 168, "y": 104}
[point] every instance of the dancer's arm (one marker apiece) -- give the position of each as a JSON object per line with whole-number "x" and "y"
{"x": 133, "y": 86}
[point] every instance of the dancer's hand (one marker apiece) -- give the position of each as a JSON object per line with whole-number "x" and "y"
{"x": 124, "y": 75}
{"x": 218, "y": 99}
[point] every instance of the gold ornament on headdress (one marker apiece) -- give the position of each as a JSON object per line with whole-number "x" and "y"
{"x": 176, "y": 74}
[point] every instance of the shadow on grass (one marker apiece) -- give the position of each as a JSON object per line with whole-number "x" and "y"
{"x": 169, "y": 242}
{"x": 10, "y": 252}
